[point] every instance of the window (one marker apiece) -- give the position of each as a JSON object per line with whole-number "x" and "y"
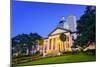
{"x": 54, "y": 44}
{"x": 68, "y": 45}
{"x": 50, "y": 44}
{"x": 45, "y": 48}
{"x": 67, "y": 38}
{"x": 59, "y": 47}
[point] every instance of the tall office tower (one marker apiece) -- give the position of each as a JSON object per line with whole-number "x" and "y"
{"x": 69, "y": 24}
{"x": 72, "y": 25}
{"x": 71, "y": 20}
{"x": 66, "y": 26}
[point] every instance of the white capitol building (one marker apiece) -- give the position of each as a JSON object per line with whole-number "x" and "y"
{"x": 52, "y": 43}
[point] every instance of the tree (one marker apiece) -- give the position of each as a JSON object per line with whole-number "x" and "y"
{"x": 32, "y": 37}
{"x": 86, "y": 27}
{"x": 23, "y": 41}
{"x": 63, "y": 38}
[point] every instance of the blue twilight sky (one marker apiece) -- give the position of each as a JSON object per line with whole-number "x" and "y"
{"x": 41, "y": 18}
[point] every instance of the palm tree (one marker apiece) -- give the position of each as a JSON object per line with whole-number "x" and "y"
{"x": 63, "y": 39}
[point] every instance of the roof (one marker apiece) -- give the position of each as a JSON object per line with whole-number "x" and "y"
{"x": 45, "y": 38}
{"x": 59, "y": 28}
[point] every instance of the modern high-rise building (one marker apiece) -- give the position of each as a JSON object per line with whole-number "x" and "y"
{"x": 71, "y": 20}
{"x": 69, "y": 23}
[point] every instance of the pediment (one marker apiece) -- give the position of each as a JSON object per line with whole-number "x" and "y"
{"x": 57, "y": 31}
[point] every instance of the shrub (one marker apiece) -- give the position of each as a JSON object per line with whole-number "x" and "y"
{"x": 37, "y": 53}
{"x": 90, "y": 52}
{"x": 76, "y": 50}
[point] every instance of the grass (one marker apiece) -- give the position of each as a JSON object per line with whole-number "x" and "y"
{"x": 62, "y": 59}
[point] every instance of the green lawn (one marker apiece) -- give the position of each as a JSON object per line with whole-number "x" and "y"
{"x": 62, "y": 59}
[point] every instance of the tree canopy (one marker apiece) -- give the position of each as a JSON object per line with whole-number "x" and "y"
{"x": 25, "y": 40}
{"x": 86, "y": 29}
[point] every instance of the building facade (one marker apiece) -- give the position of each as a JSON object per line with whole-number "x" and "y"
{"x": 53, "y": 44}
